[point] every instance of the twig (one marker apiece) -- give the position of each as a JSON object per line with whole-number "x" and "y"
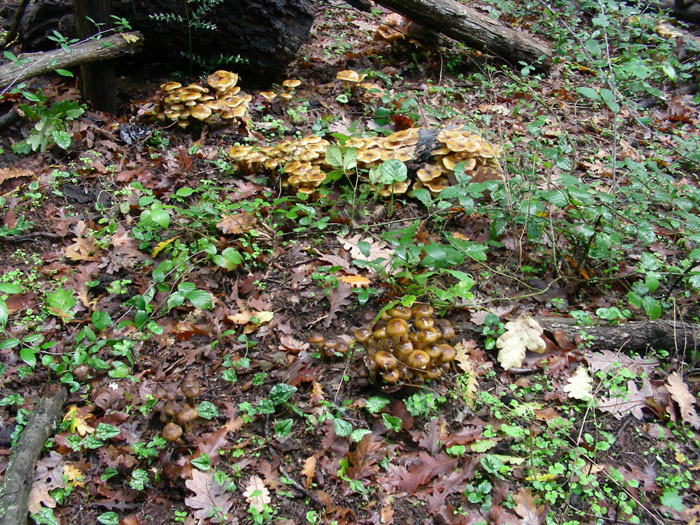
{"x": 301, "y": 488}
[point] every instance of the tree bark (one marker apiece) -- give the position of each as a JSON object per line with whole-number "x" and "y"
{"x": 15, "y": 488}
{"x": 689, "y": 11}
{"x": 97, "y": 79}
{"x": 635, "y": 336}
{"x": 474, "y": 29}
{"x": 33, "y": 64}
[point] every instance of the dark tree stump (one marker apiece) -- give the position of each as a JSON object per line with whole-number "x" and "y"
{"x": 266, "y": 33}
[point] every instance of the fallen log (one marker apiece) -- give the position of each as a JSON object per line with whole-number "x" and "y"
{"x": 634, "y": 336}
{"x": 34, "y": 64}
{"x": 688, "y": 11}
{"x": 474, "y": 29}
{"x": 15, "y": 488}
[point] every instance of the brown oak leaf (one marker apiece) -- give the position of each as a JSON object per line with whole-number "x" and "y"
{"x": 681, "y": 395}
{"x": 209, "y": 495}
{"x": 526, "y": 508}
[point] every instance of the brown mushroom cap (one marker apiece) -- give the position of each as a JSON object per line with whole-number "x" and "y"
{"x": 421, "y": 323}
{"x": 422, "y": 310}
{"x": 400, "y": 311}
{"x": 448, "y": 353}
{"x": 396, "y": 327}
{"x": 349, "y": 75}
{"x": 429, "y": 336}
{"x": 222, "y": 80}
{"x": 385, "y": 360}
{"x": 189, "y": 389}
{"x": 186, "y": 416}
{"x": 171, "y": 408}
{"x": 315, "y": 338}
{"x": 391, "y": 376}
{"x": 268, "y": 95}
{"x": 403, "y": 349}
{"x": 172, "y": 432}
{"x": 201, "y": 112}
{"x": 447, "y": 331}
{"x": 379, "y": 332}
{"x": 291, "y": 83}
{"x": 433, "y": 351}
{"x": 418, "y": 359}
{"x": 361, "y": 334}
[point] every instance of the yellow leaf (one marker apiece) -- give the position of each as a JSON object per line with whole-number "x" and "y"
{"x": 240, "y": 317}
{"x": 12, "y": 172}
{"x": 73, "y": 474}
{"x": 355, "y": 281}
{"x": 162, "y": 245}
{"x": 130, "y": 38}
{"x": 78, "y": 421}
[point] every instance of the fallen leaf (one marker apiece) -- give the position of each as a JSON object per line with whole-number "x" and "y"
{"x": 74, "y": 474}
{"x": 309, "y": 469}
{"x": 632, "y": 402}
{"x": 237, "y": 224}
{"x": 78, "y": 418}
{"x": 367, "y": 249}
{"x": 681, "y": 395}
{"x": 336, "y": 300}
{"x": 580, "y": 385}
{"x": 12, "y": 173}
{"x": 521, "y": 335}
{"x": 526, "y": 508}
{"x": 256, "y": 493}
{"x": 210, "y": 499}
{"x": 162, "y": 245}
{"x": 355, "y": 281}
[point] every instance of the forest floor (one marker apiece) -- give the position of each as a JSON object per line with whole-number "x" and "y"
{"x": 148, "y": 271}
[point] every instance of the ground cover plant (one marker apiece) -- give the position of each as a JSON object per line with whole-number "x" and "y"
{"x": 206, "y": 315}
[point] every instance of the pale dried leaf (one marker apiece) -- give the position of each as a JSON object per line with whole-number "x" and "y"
{"x": 580, "y": 385}
{"x": 256, "y": 493}
{"x": 529, "y": 512}
{"x": 681, "y": 394}
{"x": 633, "y": 402}
{"x": 377, "y": 250}
{"x": 607, "y": 361}
{"x": 464, "y": 349}
{"x": 237, "y": 224}
{"x": 12, "y": 172}
{"x": 208, "y": 496}
{"x": 521, "y": 335}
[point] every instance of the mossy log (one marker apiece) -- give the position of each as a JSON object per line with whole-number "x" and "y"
{"x": 34, "y": 64}
{"x": 474, "y": 29}
{"x": 19, "y": 476}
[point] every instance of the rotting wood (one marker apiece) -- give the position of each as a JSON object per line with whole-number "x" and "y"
{"x": 15, "y": 488}
{"x": 634, "y": 336}
{"x": 91, "y": 51}
{"x": 474, "y": 29}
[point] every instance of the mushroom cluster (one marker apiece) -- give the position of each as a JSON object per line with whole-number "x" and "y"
{"x": 407, "y": 345}
{"x": 302, "y": 160}
{"x": 171, "y": 411}
{"x": 221, "y": 100}
{"x": 328, "y": 347}
{"x": 397, "y": 28}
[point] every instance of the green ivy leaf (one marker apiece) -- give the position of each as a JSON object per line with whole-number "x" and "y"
{"x": 200, "y": 299}
{"x": 207, "y": 410}
{"x": 108, "y": 518}
{"x": 342, "y": 428}
{"x": 281, "y": 392}
{"x": 375, "y": 404}
{"x": 61, "y": 303}
{"x": 10, "y": 288}
{"x": 202, "y": 462}
{"x": 391, "y": 422}
{"x": 105, "y": 431}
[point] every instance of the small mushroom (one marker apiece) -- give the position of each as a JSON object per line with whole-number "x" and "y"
{"x": 421, "y": 323}
{"x": 186, "y": 416}
{"x": 172, "y": 432}
{"x": 385, "y": 360}
{"x": 447, "y": 331}
{"x": 396, "y": 328}
{"x": 291, "y": 84}
{"x": 189, "y": 389}
{"x": 418, "y": 359}
{"x": 361, "y": 334}
{"x": 422, "y": 310}
{"x": 391, "y": 376}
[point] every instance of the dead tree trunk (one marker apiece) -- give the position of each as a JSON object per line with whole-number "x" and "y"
{"x": 34, "y": 64}
{"x": 15, "y": 488}
{"x": 97, "y": 79}
{"x": 474, "y": 29}
{"x": 255, "y": 38}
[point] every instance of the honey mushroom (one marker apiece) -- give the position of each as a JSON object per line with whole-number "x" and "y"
{"x": 407, "y": 344}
